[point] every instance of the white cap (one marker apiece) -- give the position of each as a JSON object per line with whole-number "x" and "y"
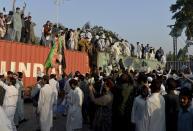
{"x": 161, "y": 71}
{"x": 76, "y": 78}
{"x": 100, "y": 77}
{"x": 40, "y": 74}
{"x": 149, "y": 79}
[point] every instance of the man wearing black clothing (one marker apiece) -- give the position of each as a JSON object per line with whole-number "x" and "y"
{"x": 171, "y": 106}
{"x": 27, "y": 29}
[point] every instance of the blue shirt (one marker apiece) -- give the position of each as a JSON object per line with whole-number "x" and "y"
{"x": 185, "y": 120}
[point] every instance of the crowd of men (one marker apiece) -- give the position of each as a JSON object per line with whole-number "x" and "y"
{"x": 11, "y": 108}
{"x": 124, "y": 100}
{"x": 15, "y": 26}
{"x": 86, "y": 41}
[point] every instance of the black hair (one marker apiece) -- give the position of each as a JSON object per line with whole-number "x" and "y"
{"x": 144, "y": 91}
{"x": 124, "y": 78}
{"x": 10, "y": 12}
{"x": 87, "y": 75}
{"x": 64, "y": 75}
{"x": 13, "y": 81}
{"x": 77, "y": 73}
{"x": 186, "y": 92}
{"x": 155, "y": 85}
{"x": 100, "y": 68}
{"x": 171, "y": 83}
{"x": 39, "y": 78}
{"x": 160, "y": 78}
{"x": 1, "y": 76}
{"x": 46, "y": 79}
{"x": 52, "y": 76}
{"x": 142, "y": 78}
{"x": 81, "y": 77}
{"x": 9, "y": 73}
{"x": 73, "y": 81}
{"x": 20, "y": 75}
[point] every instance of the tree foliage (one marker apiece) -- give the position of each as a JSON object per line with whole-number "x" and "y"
{"x": 99, "y": 29}
{"x": 170, "y": 56}
{"x": 183, "y": 14}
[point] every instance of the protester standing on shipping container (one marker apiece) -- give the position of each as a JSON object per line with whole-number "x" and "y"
{"x": 139, "y": 50}
{"x": 45, "y": 105}
{"x": 17, "y": 22}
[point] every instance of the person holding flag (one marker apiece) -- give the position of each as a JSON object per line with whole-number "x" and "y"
{"x": 56, "y": 56}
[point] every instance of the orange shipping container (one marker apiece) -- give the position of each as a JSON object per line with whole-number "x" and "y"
{"x": 30, "y": 59}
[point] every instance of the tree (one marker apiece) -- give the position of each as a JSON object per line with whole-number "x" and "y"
{"x": 183, "y": 14}
{"x": 99, "y": 29}
{"x": 170, "y": 56}
{"x": 183, "y": 54}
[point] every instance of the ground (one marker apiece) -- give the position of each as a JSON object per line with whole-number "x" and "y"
{"x": 30, "y": 125}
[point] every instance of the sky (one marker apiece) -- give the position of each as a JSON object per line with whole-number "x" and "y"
{"x": 134, "y": 20}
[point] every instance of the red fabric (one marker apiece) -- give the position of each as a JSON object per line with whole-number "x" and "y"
{"x": 110, "y": 83}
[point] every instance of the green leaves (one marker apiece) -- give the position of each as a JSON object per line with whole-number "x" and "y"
{"x": 183, "y": 14}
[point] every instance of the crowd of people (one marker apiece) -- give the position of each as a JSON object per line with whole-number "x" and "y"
{"x": 87, "y": 41}
{"x": 11, "y": 107}
{"x": 124, "y": 100}
{"x": 15, "y": 26}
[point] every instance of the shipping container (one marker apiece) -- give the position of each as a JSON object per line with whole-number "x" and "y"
{"x": 104, "y": 59}
{"x": 30, "y": 59}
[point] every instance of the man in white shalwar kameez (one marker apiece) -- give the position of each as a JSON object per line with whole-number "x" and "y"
{"x": 154, "y": 116}
{"x": 74, "y": 116}
{"x": 82, "y": 35}
{"x": 107, "y": 44}
{"x": 70, "y": 43}
{"x": 139, "y": 50}
{"x": 10, "y": 100}
{"x": 45, "y": 105}
{"x": 139, "y": 109}
{"x": 55, "y": 87}
{"x": 116, "y": 50}
{"x": 88, "y": 35}
{"x": 126, "y": 48}
{"x": 101, "y": 43}
{"x": 5, "y": 123}
{"x": 35, "y": 95}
